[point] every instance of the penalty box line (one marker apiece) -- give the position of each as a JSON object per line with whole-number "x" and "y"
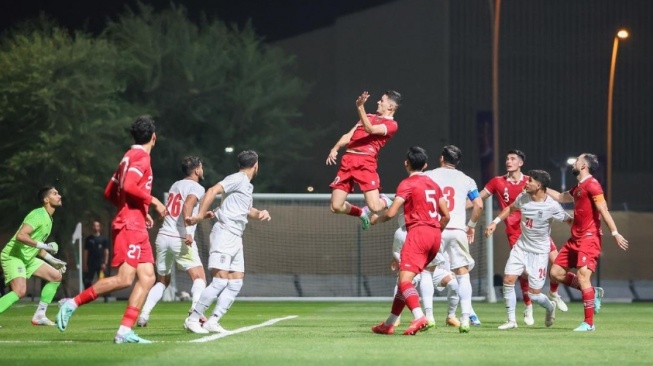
{"x": 240, "y": 330}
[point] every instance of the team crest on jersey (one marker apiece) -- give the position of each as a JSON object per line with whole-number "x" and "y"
{"x": 21, "y": 270}
{"x": 578, "y": 193}
{"x": 223, "y": 258}
{"x": 539, "y": 214}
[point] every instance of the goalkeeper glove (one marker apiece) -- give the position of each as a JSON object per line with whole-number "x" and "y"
{"x": 54, "y": 262}
{"x": 49, "y": 247}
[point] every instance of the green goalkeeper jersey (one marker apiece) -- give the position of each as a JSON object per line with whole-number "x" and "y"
{"x": 41, "y": 222}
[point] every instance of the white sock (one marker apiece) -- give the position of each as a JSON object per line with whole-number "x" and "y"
{"x": 227, "y": 297}
{"x": 452, "y": 297}
{"x": 511, "y": 301}
{"x": 40, "y": 310}
{"x": 465, "y": 293}
{"x": 153, "y": 297}
{"x": 542, "y": 300}
{"x": 426, "y": 291}
{"x": 123, "y": 330}
{"x": 196, "y": 291}
{"x": 417, "y": 312}
{"x": 391, "y": 319}
{"x": 207, "y": 297}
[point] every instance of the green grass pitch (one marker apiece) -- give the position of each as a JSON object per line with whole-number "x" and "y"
{"x": 328, "y": 333}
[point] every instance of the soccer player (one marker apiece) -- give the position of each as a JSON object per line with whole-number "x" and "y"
{"x": 530, "y": 254}
{"x": 425, "y": 213}
{"x": 506, "y": 188}
{"x": 437, "y": 273}
{"x": 358, "y": 164}
{"x": 129, "y": 190}
{"x": 19, "y": 257}
{"x": 456, "y": 237}
{"x": 584, "y": 247}
{"x": 175, "y": 241}
{"x": 226, "y": 260}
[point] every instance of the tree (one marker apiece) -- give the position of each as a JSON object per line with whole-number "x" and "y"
{"x": 61, "y": 116}
{"x": 212, "y": 86}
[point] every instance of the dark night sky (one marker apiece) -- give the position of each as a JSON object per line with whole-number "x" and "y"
{"x": 272, "y": 19}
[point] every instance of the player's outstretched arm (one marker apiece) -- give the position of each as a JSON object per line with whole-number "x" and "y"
{"x": 344, "y": 140}
{"x": 562, "y": 197}
{"x": 159, "y": 207}
{"x": 502, "y": 216}
{"x": 206, "y": 202}
{"x": 262, "y": 215}
{"x": 390, "y": 213}
{"x": 607, "y": 217}
{"x": 362, "y": 114}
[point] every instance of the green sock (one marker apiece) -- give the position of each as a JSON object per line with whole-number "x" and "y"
{"x": 48, "y": 292}
{"x": 7, "y": 300}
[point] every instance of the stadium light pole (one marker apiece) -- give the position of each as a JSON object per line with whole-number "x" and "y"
{"x": 621, "y": 34}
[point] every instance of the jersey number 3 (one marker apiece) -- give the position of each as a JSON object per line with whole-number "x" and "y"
{"x": 449, "y": 193}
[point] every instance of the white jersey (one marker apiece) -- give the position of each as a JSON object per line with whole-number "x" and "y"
{"x": 173, "y": 223}
{"x": 236, "y": 202}
{"x": 456, "y": 188}
{"x": 536, "y": 218}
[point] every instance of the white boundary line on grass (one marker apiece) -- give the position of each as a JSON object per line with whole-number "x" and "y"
{"x": 239, "y": 330}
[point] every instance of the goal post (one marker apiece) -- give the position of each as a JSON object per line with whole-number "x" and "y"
{"x": 306, "y": 251}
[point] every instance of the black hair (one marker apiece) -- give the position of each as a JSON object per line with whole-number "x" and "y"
{"x": 451, "y": 154}
{"x": 142, "y": 129}
{"x": 247, "y": 159}
{"x": 394, "y": 96}
{"x": 189, "y": 164}
{"x": 44, "y": 192}
{"x": 541, "y": 176}
{"x": 517, "y": 152}
{"x": 417, "y": 158}
{"x": 592, "y": 162}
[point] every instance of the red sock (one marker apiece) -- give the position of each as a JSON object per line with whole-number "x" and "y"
{"x": 571, "y": 280}
{"x": 85, "y": 296}
{"x": 355, "y": 211}
{"x": 588, "y": 304}
{"x": 129, "y": 318}
{"x": 410, "y": 294}
{"x": 553, "y": 285}
{"x": 523, "y": 283}
{"x": 398, "y": 304}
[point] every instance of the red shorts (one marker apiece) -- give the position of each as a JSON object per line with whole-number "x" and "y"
{"x": 421, "y": 246}
{"x": 359, "y": 169}
{"x": 512, "y": 240}
{"x": 577, "y": 253}
{"x": 131, "y": 247}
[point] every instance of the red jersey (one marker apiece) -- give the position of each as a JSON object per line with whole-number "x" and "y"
{"x": 371, "y": 144}
{"x": 506, "y": 192}
{"x": 129, "y": 189}
{"x": 587, "y": 218}
{"x": 421, "y": 196}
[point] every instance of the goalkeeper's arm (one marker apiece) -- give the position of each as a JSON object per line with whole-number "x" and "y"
{"x": 54, "y": 262}
{"x": 24, "y": 237}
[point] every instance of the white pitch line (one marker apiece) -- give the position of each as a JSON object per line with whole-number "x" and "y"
{"x": 240, "y": 330}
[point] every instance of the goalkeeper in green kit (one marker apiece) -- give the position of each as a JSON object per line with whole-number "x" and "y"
{"x": 20, "y": 257}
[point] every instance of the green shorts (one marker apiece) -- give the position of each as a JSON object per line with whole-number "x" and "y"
{"x": 15, "y": 267}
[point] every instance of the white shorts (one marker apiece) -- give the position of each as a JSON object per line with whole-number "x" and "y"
{"x": 398, "y": 242}
{"x": 226, "y": 251}
{"x": 170, "y": 249}
{"x": 535, "y": 264}
{"x": 439, "y": 274}
{"x": 456, "y": 246}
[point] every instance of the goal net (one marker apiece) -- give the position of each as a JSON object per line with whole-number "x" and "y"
{"x": 306, "y": 251}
